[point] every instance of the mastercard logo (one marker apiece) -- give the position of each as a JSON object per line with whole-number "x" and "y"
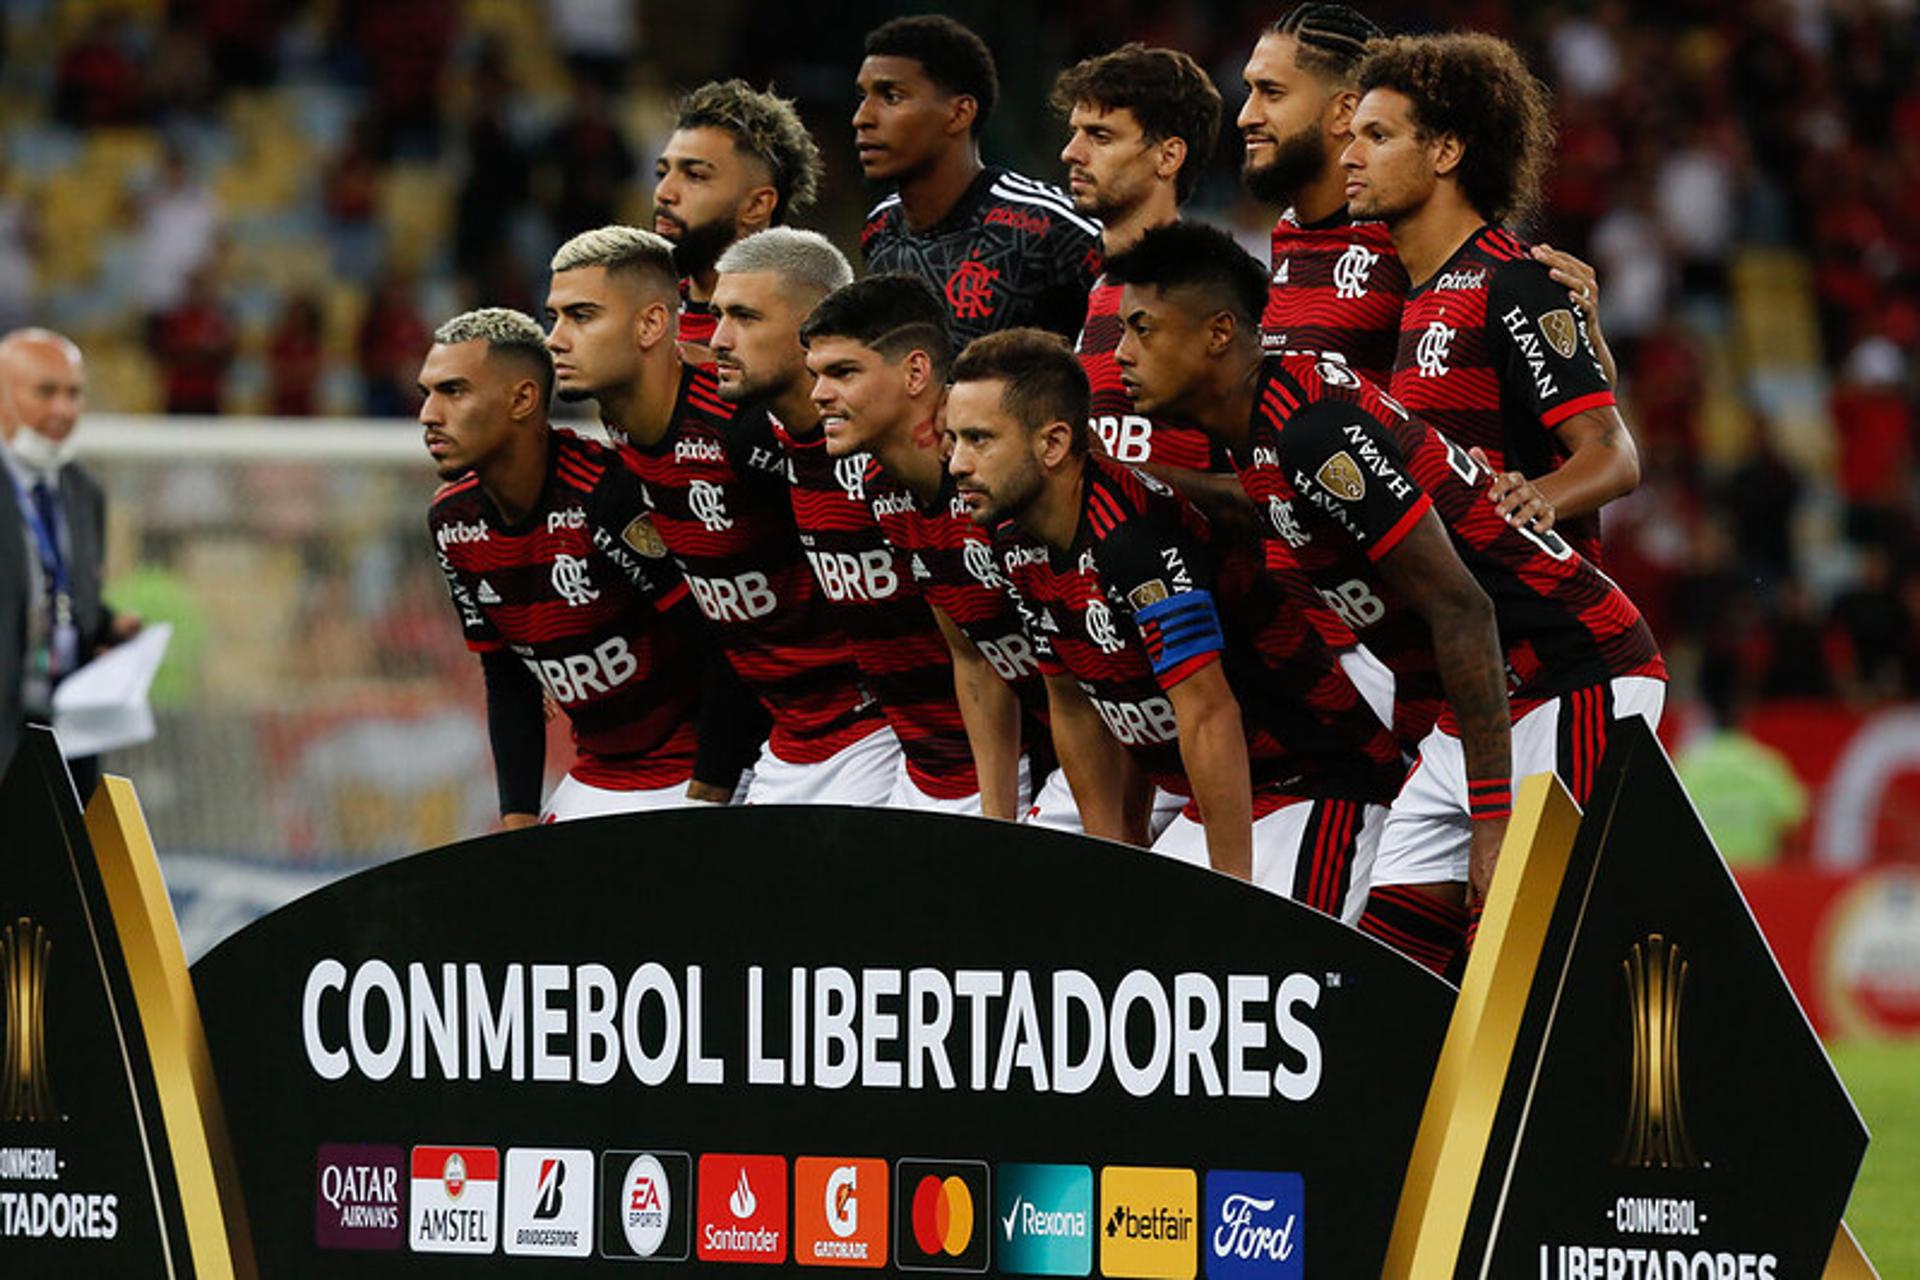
{"x": 942, "y": 1216}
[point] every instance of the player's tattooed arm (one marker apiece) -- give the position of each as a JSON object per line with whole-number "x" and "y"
{"x": 733, "y": 724}
{"x": 517, "y": 731}
{"x": 1582, "y": 283}
{"x": 991, "y": 711}
{"x": 1425, "y": 569}
{"x": 1213, "y": 748}
{"x": 1108, "y": 787}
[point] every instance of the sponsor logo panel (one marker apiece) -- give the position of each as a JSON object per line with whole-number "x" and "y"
{"x": 941, "y": 1215}
{"x": 455, "y": 1200}
{"x": 1256, "y": 1224}
{"x": 1149, "y": 1222}
{"x": 549, "y": 1203}
{"x": 1043, "y": 1219}
{"x": 743, "y": 1209}
{"x": 646, "y": 1198}
{"x": 839, "y": 1212}
{"x": 357, "y": 1197}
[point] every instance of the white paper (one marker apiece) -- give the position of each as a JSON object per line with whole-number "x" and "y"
{"x": 103, "y": 705}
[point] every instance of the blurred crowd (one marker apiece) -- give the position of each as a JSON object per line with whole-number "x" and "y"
{"x": 263, "y": 206}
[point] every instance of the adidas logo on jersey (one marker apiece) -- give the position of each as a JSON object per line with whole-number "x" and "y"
{"x": 486, "y": 594}
{"x": 1280, "y": 273}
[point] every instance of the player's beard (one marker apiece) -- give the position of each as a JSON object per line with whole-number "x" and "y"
{"x": 1297, "y": 160}
{"x": 698, "y": 248}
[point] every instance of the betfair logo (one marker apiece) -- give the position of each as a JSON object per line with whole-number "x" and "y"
{"x": 1151, "y": 1223}
{"x": 26, "y": 1090}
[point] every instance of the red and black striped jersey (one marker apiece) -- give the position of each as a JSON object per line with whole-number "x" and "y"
{"x": 890, "y": 632}
{"x": 1493, "y": 353}
{"x": 582, "y": 591}
{"x": 1126, "y": 435}
{"x": 717, "y": 485}
{"x": 697, "y": 320}
{"x": 1143, "y": 599}
{"x": 951, "y": 559}
{"x": 1337, "y": 287}
{"x": 1340, "y": 473}
{"x": 1010, "y": 252}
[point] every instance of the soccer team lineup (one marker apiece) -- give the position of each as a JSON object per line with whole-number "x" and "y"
{"x": 1049, "y": 505}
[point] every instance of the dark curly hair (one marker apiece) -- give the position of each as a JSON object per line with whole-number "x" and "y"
{"x": 765, "y": 126}
{"x": 953, "y": 57}
{"x": 1477, "y": 88}
{"x": 1167, "y": 92}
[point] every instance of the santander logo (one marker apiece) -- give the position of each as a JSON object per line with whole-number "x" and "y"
{"x": 742, "y": 1209}
{"x": 742, "y": 1202}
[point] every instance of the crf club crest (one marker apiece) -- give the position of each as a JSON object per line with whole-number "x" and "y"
{"x": 970, "y": 290}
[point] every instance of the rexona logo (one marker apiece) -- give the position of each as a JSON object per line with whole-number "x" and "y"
{"x": 1043, "y": 1220}
{"x": 456, "y": 1200}
{"x": 942, "y": 1218}
{"x": 1255, "y": 1225}
{"x": 356, "y": 1201}
{"x": 645, "y": 1198}
{"x": 743, "y": 1209}
{"x": 839, "y": 1212}
{"x": 1148, "y": 1222}
{"x": 549, "y": 1203}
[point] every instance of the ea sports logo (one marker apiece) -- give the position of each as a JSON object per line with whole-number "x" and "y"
{"x": 942, "y": 1216}
{"x": 646, "y": 1206}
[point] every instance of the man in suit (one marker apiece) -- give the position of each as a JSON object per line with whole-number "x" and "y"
{"x": 52, "y": 538}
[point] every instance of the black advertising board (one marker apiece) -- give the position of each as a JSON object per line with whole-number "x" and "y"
{"x": 819, "y": 1037}
{"x": 1666, "y": 1111}
{"x": 87, "y": 1181}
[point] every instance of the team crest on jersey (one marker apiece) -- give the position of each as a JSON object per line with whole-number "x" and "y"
{"x": 1285, "y": 523}
{"x": 1430, "y": 353}
{"x": 1341, "y": 476}
{"x": 572, "y": 582}
{"x": 978, "y": 557}
{"x": 708, "y": 502}
{"x": 852, "y": 475}
{"x": 1558, "y": 329}
{"x": 970, "y": 290}
{"x": 1336, "y": 374}
{"x": 644, "y": 538}
{"x": 1351, "y": 272}
{"x": 486, "y": 594}
{"x": 1100, "y": 627}
{"x": 1150, "y": 592}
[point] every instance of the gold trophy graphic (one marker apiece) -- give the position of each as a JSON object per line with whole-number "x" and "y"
{"x": 1656, "y": 1132}
{"x": 26, "y": 1093}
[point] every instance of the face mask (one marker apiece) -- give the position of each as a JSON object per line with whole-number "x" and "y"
{"x": 38, "y": 453}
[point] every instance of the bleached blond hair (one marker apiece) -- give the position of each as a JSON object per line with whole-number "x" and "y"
{"x": 806, "y": 261}
{"x": 505, "y": 331}
{"x": 618, "y": 248}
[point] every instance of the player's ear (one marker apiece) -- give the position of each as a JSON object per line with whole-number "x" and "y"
{"x": 917, "y": 366}
{"x": 1222, "y": 328}
{"x": 1338, "y": 117}
{"x": 1173, "y": 154}
{"x": 1053, "y": 442}
{"x": 756, "y": 209}
{"x": 652, "y": 324}
{"x": 962, "y": 109}
{"x": 1447, "y": 151}
{"x": 525, "y": 401}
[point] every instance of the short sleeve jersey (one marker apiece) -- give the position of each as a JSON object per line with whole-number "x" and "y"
{"x": 581, "y": 591}
{"x": 1011, "y": 252}
{"x": 1126, "y": 435}
{"x": 1337, "y": 288}
{"x": 1493, "y": 354}
{"x": 1336, "y": 467}
{"x": 716, "y": 483}
{"x": 951, "y": 559}
{"x": 890, "y": 631}
{"x": 1133, "y": 608}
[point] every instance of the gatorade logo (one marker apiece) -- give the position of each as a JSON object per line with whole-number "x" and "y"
{"x": 943, "y": 1215}
{"x": 839, "y": 1212}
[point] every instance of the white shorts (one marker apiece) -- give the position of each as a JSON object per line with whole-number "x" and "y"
{"x": 861, "y": 773}
{"x": 1373, "y": 678}
{"x": 1316, "y": 852}
{"x": 1428, "y": 830}
{"x": 1055, "y": 808}
{"x": 907, "y": 794}
{"x": 575, "y": 799}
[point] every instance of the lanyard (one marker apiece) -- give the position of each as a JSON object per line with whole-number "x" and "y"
{"x": 64, "y": 642}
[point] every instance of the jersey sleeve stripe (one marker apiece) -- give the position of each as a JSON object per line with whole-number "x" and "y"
{"x": 1561, "y": 412}
{"x": 667, "y": 601}
{"x": 1192, "y": 666}
{"x": 1401, "y": 528}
